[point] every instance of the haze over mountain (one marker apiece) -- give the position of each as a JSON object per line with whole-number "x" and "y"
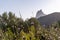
{"x": 40, "y": 14}
{"x": 49, "y": 19}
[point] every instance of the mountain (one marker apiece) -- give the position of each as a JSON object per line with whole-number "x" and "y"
{"x": 39, "y": 14}
{"x": 49, "y": 19}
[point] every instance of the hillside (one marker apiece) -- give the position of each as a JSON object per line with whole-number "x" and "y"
{"x": 49, "y": 19}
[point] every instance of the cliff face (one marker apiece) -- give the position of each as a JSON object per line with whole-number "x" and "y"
{"x": 39, "y": 14}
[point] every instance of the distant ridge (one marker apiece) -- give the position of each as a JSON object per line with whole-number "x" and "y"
{"x": 49, "y": 19}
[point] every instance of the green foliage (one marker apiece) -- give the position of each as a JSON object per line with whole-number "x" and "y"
{"x": 9, "y": 35}
{"x": 13, "y": 28}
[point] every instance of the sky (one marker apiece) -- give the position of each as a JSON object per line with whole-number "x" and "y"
{"x": 28, "y": 8}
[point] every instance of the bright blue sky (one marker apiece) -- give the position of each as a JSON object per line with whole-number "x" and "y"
{"x": 27, "y": 6}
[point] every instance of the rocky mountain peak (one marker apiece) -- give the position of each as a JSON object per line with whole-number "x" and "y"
{"x": 39, "y": 14}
